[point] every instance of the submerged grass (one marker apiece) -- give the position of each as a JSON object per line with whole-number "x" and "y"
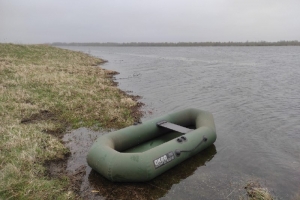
{"x": 256, "y": 192}
{"x": 44, "y": 90}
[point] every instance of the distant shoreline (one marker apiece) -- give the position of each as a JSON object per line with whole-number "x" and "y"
{"x": 179, "y": 44}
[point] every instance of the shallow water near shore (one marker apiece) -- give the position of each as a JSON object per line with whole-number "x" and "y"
{"x": 254, "y": 95}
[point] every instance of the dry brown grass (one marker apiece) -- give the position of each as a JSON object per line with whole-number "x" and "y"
{"x": 43, "y": 90}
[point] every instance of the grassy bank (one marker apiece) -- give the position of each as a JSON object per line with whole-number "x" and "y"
{"x": 44, "y": 90}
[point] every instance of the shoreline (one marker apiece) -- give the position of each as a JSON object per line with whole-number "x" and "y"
{"x": 58, "y": 168}
{"x": 180, "y": 44}
{"x": 46, "y": 91}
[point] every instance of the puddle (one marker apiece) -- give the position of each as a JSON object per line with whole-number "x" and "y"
{"x": 93, "y": 186}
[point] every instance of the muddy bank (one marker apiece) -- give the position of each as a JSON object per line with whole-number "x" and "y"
{"x": 73, "y": 166}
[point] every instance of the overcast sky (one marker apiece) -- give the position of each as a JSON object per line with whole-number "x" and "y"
{"x": 43, "y": 21}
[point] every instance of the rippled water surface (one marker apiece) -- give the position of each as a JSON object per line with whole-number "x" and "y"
{"x": 254, "y": 95}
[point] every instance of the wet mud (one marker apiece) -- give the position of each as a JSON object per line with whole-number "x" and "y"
{"x": 42, "y": 115}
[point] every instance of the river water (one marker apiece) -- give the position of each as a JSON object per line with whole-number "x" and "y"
{"x": 254, "y": 96}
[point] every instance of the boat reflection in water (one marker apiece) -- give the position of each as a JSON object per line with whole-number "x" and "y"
{"x": 156, "y": 188}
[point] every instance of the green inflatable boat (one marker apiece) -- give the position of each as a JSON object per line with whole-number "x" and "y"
{"x": 141, "y": 152}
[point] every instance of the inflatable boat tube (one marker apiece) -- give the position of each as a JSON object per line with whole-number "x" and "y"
{"x": 141, "y": 152}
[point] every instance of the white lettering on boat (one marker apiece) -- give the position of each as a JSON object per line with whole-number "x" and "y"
{"x": 164, "y": 159}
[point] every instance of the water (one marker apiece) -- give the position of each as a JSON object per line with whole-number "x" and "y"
{"x": 254, "y": 95}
